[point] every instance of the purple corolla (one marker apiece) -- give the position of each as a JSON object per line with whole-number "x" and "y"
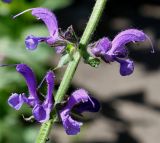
{"x": 41, "y": 110}
{"x": 116, "y": 51}
{"x": 51, "y": 23}
{"x": 80, "y": 102}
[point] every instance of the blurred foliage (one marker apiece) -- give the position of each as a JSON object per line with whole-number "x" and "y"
{"x": 56, "y": 4}
{"x": 13, "y": 129}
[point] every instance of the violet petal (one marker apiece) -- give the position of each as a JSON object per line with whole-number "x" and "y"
{"x": 50, "y": 21}
{"x": 30, "y": 79}
{"x": 42, "y": 112}
{"x": 32, "y": 42}
{"x": 48, "y": 103}
{"x": 101, "y": 47}
{"x": 50, "y": 79}
{"x": 124, "y": 37}
{"x": 78, "y": 96}
{"x": 39, "y": 113}
{"x": 48, "y": 18}
{"x": 59, "y": 49}
{"x": 16, "y": 101}
{"x": 126, "y": 66}
{"x": 52, "y": 40}
{"x": 92, "y": 105}
{"x": 72, "y": 126}
{"x": 119, "y": 42}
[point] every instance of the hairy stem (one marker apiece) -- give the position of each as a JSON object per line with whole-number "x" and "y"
{"x": 72, "y": 66}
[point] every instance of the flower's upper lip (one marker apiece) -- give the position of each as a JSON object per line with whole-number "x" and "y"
{"x": 29, "y": 76}
{"x": 48, "y": 18}
{"x": 130, "y": 35}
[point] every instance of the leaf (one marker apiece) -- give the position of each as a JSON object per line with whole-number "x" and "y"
{"x": 65, "y": 59}
{"x": 94, "y": 62}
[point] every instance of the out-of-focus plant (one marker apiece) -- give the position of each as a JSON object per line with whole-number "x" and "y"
{"x": 12, "y": 33}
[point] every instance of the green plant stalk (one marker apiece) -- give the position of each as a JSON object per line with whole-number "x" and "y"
{"x": 72, "y": 66}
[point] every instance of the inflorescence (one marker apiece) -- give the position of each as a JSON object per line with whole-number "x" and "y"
{"x": 66, "y": 43}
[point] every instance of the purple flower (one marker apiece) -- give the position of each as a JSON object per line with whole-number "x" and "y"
{"x": 7, "y": 1}
{"x": 116, "y": 51}
{"x": 41, "y": 110}
{"x": 50, "y": 21}
{"x": 80, "y": 102}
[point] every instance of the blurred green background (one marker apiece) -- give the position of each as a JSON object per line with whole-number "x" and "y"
{"x": 12, "y": 50}
{"x": 130, "y": 110}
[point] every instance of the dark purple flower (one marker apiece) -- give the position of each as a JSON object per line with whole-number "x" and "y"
{"x": 80, "y": 101}
{"x": 7, "y": 1}
{"x": 116, "y": 51}
{"x": 41, "y": 110}
{"x": 50, "y": 21}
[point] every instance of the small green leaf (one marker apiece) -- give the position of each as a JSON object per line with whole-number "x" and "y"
{"x": 94, "y": 62}
{"x": 70, "y": 49}
{"x": 65, "y": 59}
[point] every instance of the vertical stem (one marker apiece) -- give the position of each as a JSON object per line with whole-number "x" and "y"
{"x": 93, "y": 22}
{"x": 67, "y": 78}
{"x": 72, "y": 66}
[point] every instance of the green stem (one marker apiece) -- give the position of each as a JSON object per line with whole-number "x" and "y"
{"x": 93, "y": 22}
{"x": 72, "y": 66}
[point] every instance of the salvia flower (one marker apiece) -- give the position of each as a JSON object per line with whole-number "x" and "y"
{"x": 116, "y": 51}
{"x": 41, "y": 110}
{"x": 51, "y": 23}
{"x": 80, "y": 102}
